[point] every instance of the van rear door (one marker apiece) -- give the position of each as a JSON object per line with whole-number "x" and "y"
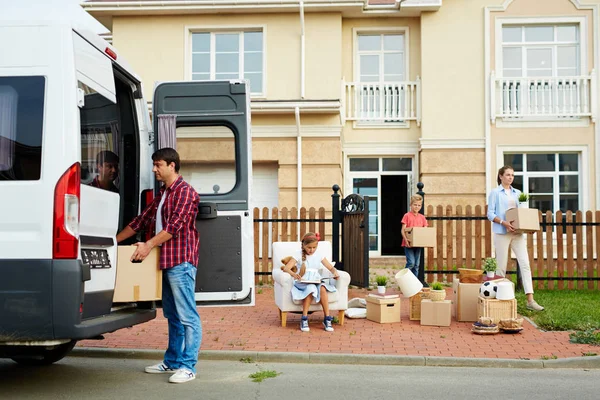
{"x": 211, "y": 121}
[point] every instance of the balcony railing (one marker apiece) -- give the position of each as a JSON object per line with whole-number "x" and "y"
{"x": 539, "y": 98}
{"x": 382, "y": 103}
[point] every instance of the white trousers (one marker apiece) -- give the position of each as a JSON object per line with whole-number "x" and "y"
{"x": 518, "y": 244}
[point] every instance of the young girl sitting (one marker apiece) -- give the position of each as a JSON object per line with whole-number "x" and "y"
{"x": 312, "y": 261}
{"x": 413, "y": 219}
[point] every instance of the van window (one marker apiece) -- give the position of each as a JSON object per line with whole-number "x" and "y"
{"x": 208, "y": 160}
{"x": 99, "y": 141}
{"x": 21, "y": 127}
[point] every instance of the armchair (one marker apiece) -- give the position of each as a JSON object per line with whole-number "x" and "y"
{"x": 338, "y": 301}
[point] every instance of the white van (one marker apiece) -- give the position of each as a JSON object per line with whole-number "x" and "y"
{"x": 72, "y": 118}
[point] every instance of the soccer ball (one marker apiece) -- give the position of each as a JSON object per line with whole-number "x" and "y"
{"x": 488, "y": 290}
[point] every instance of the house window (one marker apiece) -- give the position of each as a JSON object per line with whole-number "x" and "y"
{"x": 382, "y": 91}
{"x": 542, "y": 72}
{"x": 540, "y": 50}
{"x": 229, "y": 55}
{"x": 551, "y": 179}
{"x": 381, "y": 57}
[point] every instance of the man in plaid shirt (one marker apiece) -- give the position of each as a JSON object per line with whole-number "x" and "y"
{"x": 172, "y": 214}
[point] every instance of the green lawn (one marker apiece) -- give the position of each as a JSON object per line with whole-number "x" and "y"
{"x": 566, "y": 310}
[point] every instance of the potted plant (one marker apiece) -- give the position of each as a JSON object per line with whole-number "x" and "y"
{"x": 437, "y": 292}
{"x": 381, "y": 283}
{"x": 490, "y": 266}
{"x": 524, "y": 200}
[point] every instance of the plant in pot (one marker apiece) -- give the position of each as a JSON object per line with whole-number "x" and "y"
{"x": 524, "y": 200}
{"x": 381, "y": 283}
{"x": 437, "y": 292}
{"x": 490, "y": 266}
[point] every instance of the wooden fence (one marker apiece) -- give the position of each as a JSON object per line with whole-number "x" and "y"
{"x": 281, "y": 226}
{"x": 562, "y": 255}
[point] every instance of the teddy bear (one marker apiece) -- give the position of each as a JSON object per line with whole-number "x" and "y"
{"x": 287, "y": 259}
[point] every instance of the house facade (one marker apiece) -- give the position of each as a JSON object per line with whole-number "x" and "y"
{"x": 377, "y": 95}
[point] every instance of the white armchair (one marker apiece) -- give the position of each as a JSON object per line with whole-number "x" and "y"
{"x": 338, "y": 301}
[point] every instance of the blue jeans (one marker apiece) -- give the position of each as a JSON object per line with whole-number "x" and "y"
{"x": 413, "y": 259}
{"x": 179, "y": 308}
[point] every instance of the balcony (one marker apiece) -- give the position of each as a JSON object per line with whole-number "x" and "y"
{"x": 543, "y": 99}
{"x": 385, "y": 104}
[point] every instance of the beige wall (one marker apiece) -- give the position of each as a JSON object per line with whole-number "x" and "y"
{"x": 157, "y": 48}
{"x": 453, "y": 177}
{"x": 452, "y": 71}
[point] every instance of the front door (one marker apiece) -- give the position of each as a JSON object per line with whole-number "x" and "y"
{"x": 217, "y": 114}
{"x": 394, "y": 204}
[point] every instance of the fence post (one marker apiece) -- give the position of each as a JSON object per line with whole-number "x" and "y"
{"x": 421, "y": 277}
{"x": 335, "y": 225}
{"x": 366, "y": 246}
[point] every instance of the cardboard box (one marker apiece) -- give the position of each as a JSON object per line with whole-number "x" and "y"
{"x": 383, "y": 310}
{"x": 524, "y": 219}
{"x": 137, "y": 281}
{"x": 436, "y": 313}
{"x": 465, "y": 300}
{"x": 421, "y": 237}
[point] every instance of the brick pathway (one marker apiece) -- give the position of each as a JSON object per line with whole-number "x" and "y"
{"x": 258, "y": 329}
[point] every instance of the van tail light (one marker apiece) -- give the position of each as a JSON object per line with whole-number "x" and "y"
{"x": 65, "y": 232}
{"x": 147, "y": 197}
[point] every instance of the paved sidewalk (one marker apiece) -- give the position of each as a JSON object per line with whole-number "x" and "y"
{"x": 257, "y": 329}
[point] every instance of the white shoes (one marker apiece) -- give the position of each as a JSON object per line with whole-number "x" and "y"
{"x": 533, "y": 305}
{"x": 159, "y": 368}
{"x": 182, "y": 375}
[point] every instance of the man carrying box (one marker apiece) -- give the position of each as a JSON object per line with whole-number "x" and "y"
{"x": 501, "y": 199}
{"x": 173, "y": 213}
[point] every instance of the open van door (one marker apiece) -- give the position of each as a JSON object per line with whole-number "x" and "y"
{"x": 214, "y": 143}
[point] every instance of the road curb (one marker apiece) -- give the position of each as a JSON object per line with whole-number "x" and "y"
{"x": 592, "y": 362}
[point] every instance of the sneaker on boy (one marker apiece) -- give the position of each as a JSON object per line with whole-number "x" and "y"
{"x": 182, "y": 375}
{"x": 160, "y": 368}
{"x": 327, "y": 324}
{"x": 304, "y": 324}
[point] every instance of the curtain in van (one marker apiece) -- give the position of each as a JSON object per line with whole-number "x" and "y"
{"x": 8, "y": 126}
{"x": 167, "y": 127}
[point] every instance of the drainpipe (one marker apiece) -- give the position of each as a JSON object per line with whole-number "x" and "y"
{"x": 299, "y": 156}
{"x": 302, "y": 52}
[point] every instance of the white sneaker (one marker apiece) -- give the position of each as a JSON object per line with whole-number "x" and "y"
{"x": 182, "y": 375}
{"x": 533, "y": 305}
{"x": 160, "y": 368}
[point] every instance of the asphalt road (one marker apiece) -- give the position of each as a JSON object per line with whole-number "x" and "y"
{"x": 110, "y": 378}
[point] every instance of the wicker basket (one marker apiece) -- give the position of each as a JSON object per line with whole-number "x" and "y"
{"x": 467, "y": 275}
{"x": 437, "y": 295}
{"x": 496, "y": 309}
{"x": 415, "y": 304}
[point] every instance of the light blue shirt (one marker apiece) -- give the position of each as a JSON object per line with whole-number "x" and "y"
{"x": 498, "y": 203}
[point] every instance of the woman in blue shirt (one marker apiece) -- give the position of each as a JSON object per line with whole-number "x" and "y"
{"x": 501, "y": 199}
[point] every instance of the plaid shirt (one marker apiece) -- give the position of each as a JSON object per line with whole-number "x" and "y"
{"x": 179, "y": 219}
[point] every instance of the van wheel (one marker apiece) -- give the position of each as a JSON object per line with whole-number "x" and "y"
{"x": 45, "y": 356}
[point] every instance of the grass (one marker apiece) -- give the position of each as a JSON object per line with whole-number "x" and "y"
{"x": 262, "y": 375}
{"x": 565, "y": 310}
